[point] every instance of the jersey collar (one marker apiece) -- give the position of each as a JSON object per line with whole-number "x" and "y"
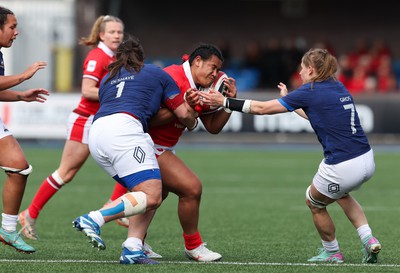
{"x": 186, "y": 68}
{"x": 106, "y": 49}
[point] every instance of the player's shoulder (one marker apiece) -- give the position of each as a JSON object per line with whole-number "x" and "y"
{"x": 150, "y": 66}
{"x": 154, "y": 69}
{"x": 174, "y": 68}
{"x": 99, "y": 55}
{"x": 176, "y": 72}
{"x": 95, "y": 51}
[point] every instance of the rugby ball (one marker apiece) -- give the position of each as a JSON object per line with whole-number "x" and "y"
{"x": 219, "y": 86}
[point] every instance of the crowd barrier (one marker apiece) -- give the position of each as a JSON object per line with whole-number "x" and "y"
{"x": 379, "y": 114}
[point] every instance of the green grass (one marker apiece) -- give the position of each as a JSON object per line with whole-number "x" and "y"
{"x": 253, "y": 212}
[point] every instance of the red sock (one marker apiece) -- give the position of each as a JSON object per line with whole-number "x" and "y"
{"x": 48, "y": 188}
{"x": 119, "y": 190}
{"x": 192, "y": 241}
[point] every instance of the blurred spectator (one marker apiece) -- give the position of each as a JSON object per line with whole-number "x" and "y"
{"x": 272, "y": 71}
{"x": 293, "y": 49}
{"x": 368, "y": 67}
{"x": 357, "y": 83}
{"x": 323, "y": 43}
{"x": 252, "y": 62}
{"x": 226, "y": 50}
{"x": 378, "y": 51}
{"x": 253, "y": 56}
{"x": 360, "y": 49}
{"x": 345, "y": 72}
{"x": 386, "y": 79}
{"x": 295, "y": 80}
{"x": 370, "y": 85}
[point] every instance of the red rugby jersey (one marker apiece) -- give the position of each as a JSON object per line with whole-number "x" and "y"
{"x": 95, "y": 67}
{"x": 169, "y": 133}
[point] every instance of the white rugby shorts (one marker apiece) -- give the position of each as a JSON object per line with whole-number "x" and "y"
{"x": 159, "y": 149}
{"x": 4, "y": 130}
{"x": 78, "y": 127}
{"x": 336, "y": 180}
{"x": 119, "y": 145}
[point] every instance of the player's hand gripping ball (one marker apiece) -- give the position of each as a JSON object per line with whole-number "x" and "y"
{"x": 219, "y": 86}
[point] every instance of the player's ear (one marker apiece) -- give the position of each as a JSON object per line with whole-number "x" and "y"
{"x": 197, "y": 61}
{"x": 101, "y": 36}
{"x": 310, "y": 70}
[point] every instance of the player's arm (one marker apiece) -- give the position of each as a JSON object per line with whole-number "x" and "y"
{"x": 187, "y": 115}
{"x": 216, "y": 121}
{"x": 7, "y": 82}
{"x": 163, "y": 116}
{"x": 254, "y": 107}
{"x": 284, "y": 91}
{"x": 89, "y": 89}
{"x": 301, "y": 113}
{"x": 37, "y": 95}
{"x": 192, "y": 97}
{"x": 182, "y": 110}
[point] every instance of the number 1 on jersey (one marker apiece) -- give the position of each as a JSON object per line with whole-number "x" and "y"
{"x": 120, "y": 89}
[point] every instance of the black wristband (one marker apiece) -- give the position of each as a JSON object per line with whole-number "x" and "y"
{"x": 234, "y": 104}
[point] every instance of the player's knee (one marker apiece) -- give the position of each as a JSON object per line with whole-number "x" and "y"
{"x": 157, "y": 201}
{"x": 24, "y": 172}
{"x": 154, "y": 200}
{"x": 194, "y": 189}
{"x": 313, "y": 203}
{"x": 134, "y": 203}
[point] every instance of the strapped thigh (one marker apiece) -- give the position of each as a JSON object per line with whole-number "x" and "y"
{"x": 314, "y": 202}
{"x": 25, "y": 172}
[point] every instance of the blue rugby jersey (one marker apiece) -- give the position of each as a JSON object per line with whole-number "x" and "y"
{"x": 139, "y": 94}
{"x": 333, "y": 116}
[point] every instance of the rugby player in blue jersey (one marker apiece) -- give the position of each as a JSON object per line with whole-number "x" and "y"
{"x": 12, "y": 157}
{"x": 130, "y": 94}
{"x": 348, "y": 158}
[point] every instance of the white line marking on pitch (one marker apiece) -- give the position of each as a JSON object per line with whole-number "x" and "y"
{"x": 202, "y": 263}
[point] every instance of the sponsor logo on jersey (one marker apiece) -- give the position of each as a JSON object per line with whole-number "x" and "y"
{"x": 344, "y": 99}
{"x": 91, "y": 66}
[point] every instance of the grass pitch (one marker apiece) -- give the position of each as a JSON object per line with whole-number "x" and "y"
{"x": 253, "y": 212}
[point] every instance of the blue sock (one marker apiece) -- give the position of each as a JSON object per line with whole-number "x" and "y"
{"x": 114, "y": 210}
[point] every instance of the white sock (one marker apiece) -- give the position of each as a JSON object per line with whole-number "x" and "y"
{"x": 331, "y": 246}
{"x": 97, "y": 217}
{"x": 56, "y": 176}
{"x": 133, "y": 244}
{"x": 364, "y": 231}
{"x": 9, "y": 222}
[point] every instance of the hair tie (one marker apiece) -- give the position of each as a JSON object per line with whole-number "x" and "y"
{"x": 185, "y": 57}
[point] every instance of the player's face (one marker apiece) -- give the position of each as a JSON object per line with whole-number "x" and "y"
{"x": 113, "y": 35}
{"x": 206, "y": 71}
{"x": 306, "y": 73}
{"x": 9, "y": 32}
